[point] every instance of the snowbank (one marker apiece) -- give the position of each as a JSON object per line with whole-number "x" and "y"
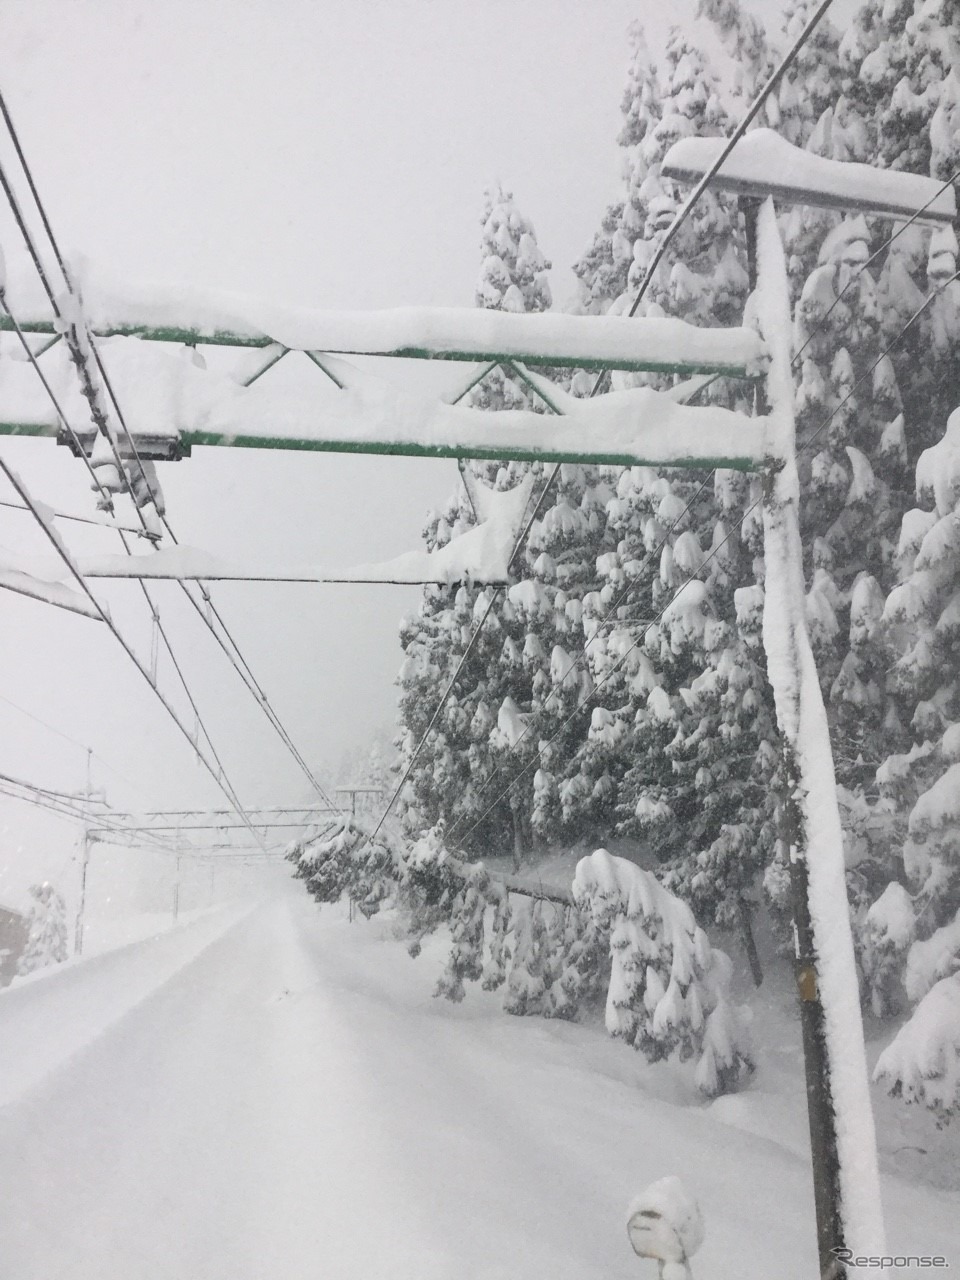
{"x": 46, "y": 1018}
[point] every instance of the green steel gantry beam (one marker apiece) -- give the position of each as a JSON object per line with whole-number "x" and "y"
{"x": 473, "y": 336}
{"x": 452, "y": 440}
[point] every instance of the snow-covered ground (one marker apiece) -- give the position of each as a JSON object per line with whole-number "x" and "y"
{"x": 272, "y": 1091}
{"x": 106, "y": 933}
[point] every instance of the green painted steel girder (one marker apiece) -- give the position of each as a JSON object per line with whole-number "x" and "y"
{"x": 39, "y": 430}
{"x": 185, "y": 336}
{"x": 493, "y": 452}
{"x": 224, "y": 338}
{"x": 181, "y": 446}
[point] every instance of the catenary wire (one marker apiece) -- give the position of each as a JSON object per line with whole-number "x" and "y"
{"x": 154, "y": 611}
{"x": 66, "y": 737}
{"x": 243, "y": 669}
{"x": 217, "y": 774}
{"x": 99, "y": 485}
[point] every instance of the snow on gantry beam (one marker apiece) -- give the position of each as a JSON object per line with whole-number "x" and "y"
{"x": 188, "y": 315}
{"x": 173, "y": 402}
{"x": 642, "y": 428}
{"x": 764, "y": 164}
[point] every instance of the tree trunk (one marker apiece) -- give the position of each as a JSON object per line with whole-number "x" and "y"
{"x": 518, "y": 844}
{"x": 744, "y": 911}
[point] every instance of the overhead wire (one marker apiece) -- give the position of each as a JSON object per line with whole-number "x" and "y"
{"x": 42, "y": 799}
{"x": 66, "y": 737}
{"x": 67, "y": 515}
{"x": 97, "y": 483}
{"x": 228, "y": 645}
{"x": 75, "y": 343}
{"x": 217, "y": 774}
{"x": 74, "y": 797}
{"x": 226, "y": 786}
{"x": 236, "y": 657}
{"x": 67, "y": 426}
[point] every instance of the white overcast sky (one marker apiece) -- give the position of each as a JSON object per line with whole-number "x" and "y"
{"x": 328, "y": 153}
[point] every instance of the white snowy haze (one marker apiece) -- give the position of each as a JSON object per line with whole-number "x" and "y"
{"x": 329, "y": 153}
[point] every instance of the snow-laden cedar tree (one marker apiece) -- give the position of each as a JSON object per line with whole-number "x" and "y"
{"x": 669, "y": 990}
{"x": 343, "y": 860}
{"x": 46, "y": 930}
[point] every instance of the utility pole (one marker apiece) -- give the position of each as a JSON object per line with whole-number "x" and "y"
{"x": 821, "y": 1112}
{"x": 845, "y": 1180}
{"x": 176, "y": 881}
{"x": 85, "y": 842}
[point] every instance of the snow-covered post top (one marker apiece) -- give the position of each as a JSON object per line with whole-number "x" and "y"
{"x": 765, "y": 162}
{"x": 664, "y": 1223}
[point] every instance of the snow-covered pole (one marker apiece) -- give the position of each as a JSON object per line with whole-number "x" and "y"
{"x": 843, "y": 1141}
{"x": 85, "y": 842}
{"x": 176, "y": 877}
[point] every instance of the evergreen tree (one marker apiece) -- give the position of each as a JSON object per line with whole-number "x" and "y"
{"x": 922, "y": 626}
{"x": 725, "y": 756}
{"x": 603, "y": 269}
{"x": 669, "y": 990}
{"x": 527, "y": 981}
{"x": 810, "y": 86}
{"x": 46, "y": 930}
{"x": 922, "y": 1065}
{"x": 465, "y": 962}
{"x": 677, "y": 748}
{"x": 345, "y": 860}
{"x": 855, "y": 475}
{"x": 460, "y": 761}
{"x": 745, "y": 41}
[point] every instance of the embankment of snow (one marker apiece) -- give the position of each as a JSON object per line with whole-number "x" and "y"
{"x": 50, "y": 1015}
